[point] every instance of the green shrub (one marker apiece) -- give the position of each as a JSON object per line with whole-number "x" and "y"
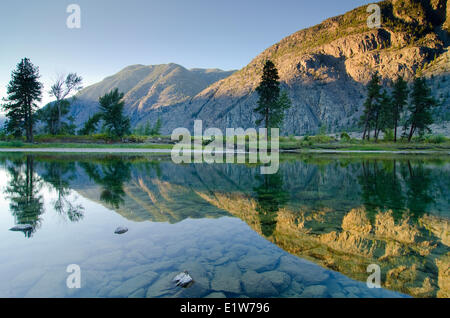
{"x": 388, "y": 135}
{"x": 319, "y": 139}
{"x": 15, "y": 143}
{"x": 134, "y": 139}
{"x": 435, "y": 139}
{"x": 345, "y": 136}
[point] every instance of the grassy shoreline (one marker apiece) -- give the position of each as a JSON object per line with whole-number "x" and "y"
{"x": 284, "y": 147}
{"x": 13, "y": 145}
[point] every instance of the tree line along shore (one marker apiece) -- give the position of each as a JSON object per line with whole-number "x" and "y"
{"x": 394, "y": 118}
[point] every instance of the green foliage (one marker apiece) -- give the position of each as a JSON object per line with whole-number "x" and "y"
{"x": 388, "y": 135}
{"x": 134, "y": 139}
{"x": 319, "y": 139}
{"x": 148, "y": 130}
{"x": 371, "y": 105}
{"x": 156, "y": 130}
{"x": 323, "y": 130}
{"x": 111, "y": 109}
{"x": 345, "y": 136}
{"x": 431, "y": 139}
{"x": 386, "y": 114}
{"x": 49, "y": 115}
{"x": 2, "y": 134}
{"x": 399, "y": 101}
{"x": 90, "y": 126}
{"x": 382, "y": 110}
{"x": 61, "y": 90}
{"x": 420, "y": 109}
{"x": 96, "y": 138}
{"x": 15, "y": 144}
{"x": 272, "y": 103}
{"x": 24, "y": 90}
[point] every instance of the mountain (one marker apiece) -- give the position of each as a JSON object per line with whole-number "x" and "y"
{"x": 324, "y": 69}
{"x": 147, "y": 89}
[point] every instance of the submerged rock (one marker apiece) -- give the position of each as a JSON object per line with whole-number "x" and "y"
{"x": 21, "y": 227}
{"x": 134, "y": 284}
{"x": 183, "y": 280}
{"x": 314, "y": 291}
{"x": 121, "y": 230}
{"x": 257, "y": 285}
{"x": 227, "y": 279}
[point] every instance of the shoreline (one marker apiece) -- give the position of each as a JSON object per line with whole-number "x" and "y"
{"x": 168, "y": 151}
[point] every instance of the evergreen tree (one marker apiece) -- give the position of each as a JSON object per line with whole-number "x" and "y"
{"x": 111, "y": 108}
{"x": 272, "y": 103}
{"x": 386, "y": 115}
{"x": 147, "y": 130}
{"x": 156, "y": 130}
{"x": 420, "y": 108}
{"x": 371, "y": 105}
{"x": 24, "y": 90}
{"x": 399, "y": 101}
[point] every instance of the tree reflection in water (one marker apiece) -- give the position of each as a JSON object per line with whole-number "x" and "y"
{"x": 111, "y": 176}
{"x": 400, "y": 187}
{"x": 270, "y": 198}
{"x": 58, "y": 175}
{"x": 26, "y": 203}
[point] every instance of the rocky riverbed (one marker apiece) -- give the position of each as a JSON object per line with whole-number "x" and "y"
{"x": 230, "y": 261}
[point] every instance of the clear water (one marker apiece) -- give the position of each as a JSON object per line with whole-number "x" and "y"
{"x": 309, "y": 231}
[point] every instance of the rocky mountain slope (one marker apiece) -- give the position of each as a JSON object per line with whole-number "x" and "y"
{"x": 146, "y": 89}
{"x": 324, "y": 69}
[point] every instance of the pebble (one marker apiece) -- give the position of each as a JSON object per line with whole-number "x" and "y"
{"x": 121, "y": 230}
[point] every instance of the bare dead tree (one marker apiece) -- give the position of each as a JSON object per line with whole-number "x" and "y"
{"x": 63, "y": 87}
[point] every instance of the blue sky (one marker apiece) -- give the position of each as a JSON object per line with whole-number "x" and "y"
{"x": 114, "y": 34}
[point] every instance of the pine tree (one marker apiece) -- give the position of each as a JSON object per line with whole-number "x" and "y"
{"x": 147, "y": 130}
{"x": 371, "y": 105}
{"x": 399, "y": 101}
{"x": 24, "y": 90}
{"x": 111, "y": 108}
{"x": 420, "y": 109}
{"x": 156, "y": 130}
{"x": 386, "y": 114}
{"x": 272, "y": 103}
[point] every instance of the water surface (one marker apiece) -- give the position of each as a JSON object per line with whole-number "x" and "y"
{"x": 309, "y": 231}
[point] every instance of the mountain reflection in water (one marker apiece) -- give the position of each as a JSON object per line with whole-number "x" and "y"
{"x": 341, "y": 212}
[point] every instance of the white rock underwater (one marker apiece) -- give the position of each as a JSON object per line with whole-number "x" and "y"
{"x": 183, "y": 280}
